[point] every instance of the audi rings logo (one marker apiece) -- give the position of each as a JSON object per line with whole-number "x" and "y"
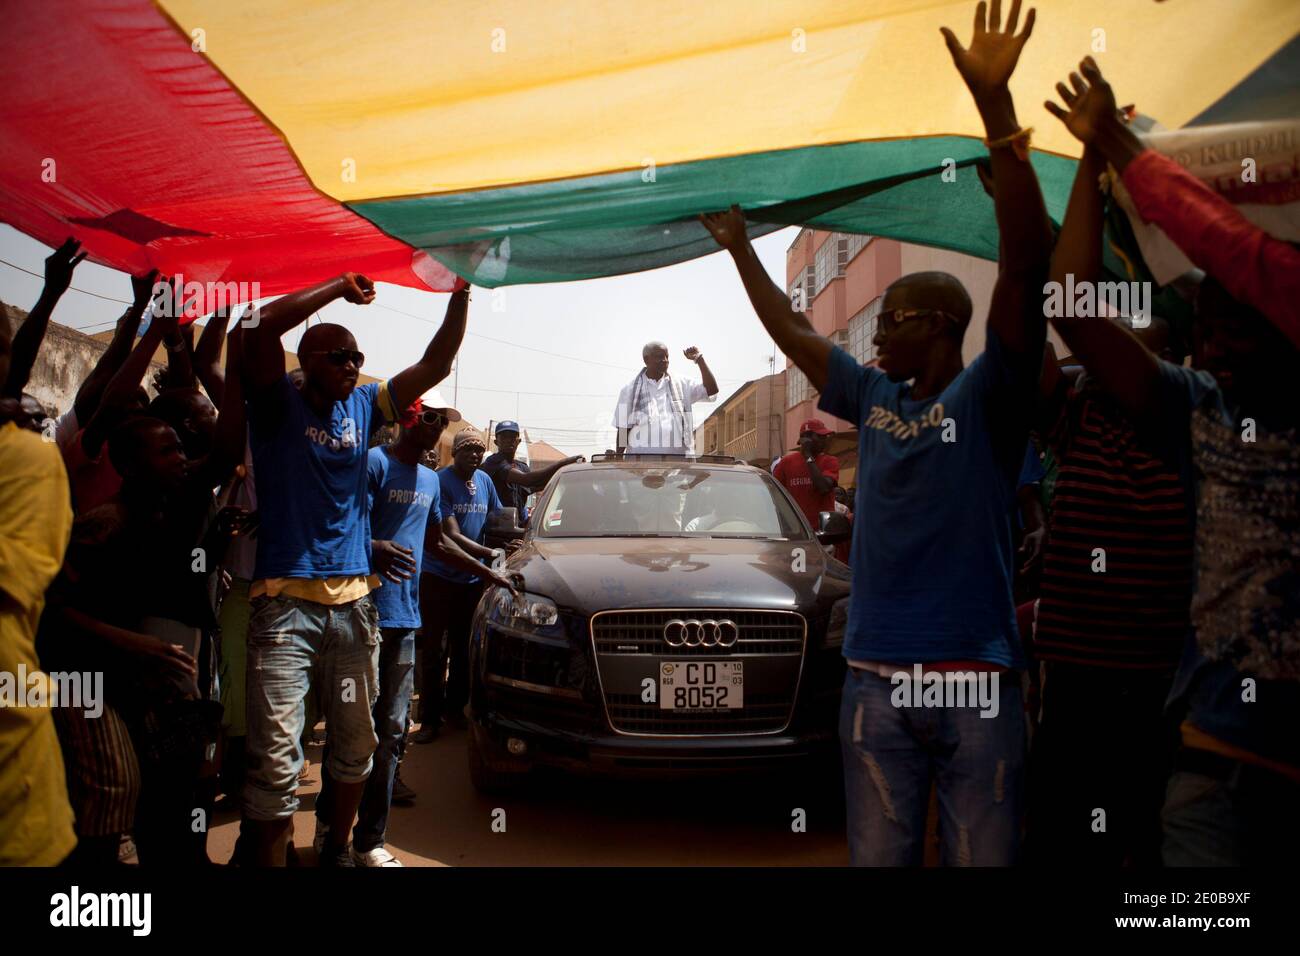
{"x": 709, "y": 633}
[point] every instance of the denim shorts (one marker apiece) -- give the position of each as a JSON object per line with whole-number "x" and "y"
{"x": 296, "y": 646}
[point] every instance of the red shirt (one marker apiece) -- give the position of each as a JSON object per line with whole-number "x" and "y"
{"x": 1253, "y": 266}
{"x": 93, "y": 480}
{"x": 792, "y": 471}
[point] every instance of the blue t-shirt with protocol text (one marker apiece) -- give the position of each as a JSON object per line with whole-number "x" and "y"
{"x": 403, "y": 499}
{"x": 310, "y": 474}
{"x": 471, "y": 510}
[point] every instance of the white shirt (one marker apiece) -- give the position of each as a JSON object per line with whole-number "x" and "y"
{"x": 657, "y": 426}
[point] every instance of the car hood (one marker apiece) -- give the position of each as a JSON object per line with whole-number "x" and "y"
{"x": 595, "y": 574}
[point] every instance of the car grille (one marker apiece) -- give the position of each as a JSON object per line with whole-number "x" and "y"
{"x": 771, "y": 642}
{"x": 642, "y": 632}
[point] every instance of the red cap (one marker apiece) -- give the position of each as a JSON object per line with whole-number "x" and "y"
{"x": 816, "y": 426}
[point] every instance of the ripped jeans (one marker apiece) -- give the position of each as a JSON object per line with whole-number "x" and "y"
{"x": 295, "y": 645}
{"x": 891, "y": 755}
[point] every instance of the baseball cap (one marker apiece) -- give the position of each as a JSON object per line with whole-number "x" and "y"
{"x": 467, "y": 436}
{"x": 433, "y": 399}
{"x": 506, "y": 427}
{"x": 816, "y": 426}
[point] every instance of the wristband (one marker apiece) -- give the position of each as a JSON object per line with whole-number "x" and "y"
{"x": 1018, "y": 141}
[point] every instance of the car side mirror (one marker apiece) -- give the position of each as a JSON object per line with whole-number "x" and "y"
{"x": 833, "y": 527}
{"x": 502, "y": 526}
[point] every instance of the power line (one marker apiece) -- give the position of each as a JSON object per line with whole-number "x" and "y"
{"x": 522, "y": 391}
{"x": 104, "y": 325}
{"x": 528, "y": 348}
{"x": 71, "y": 288}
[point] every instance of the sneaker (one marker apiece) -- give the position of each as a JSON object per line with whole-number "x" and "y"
{"x": 322, "y": 833}
{"x": 332, "y": 859}
{"x": 379, "y": 856}
{"x": 427, "y": 734}
{"x": 401, "y": 792}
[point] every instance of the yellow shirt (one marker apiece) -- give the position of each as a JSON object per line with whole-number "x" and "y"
{"x": 35, "y": 524}
{"x": 321, "y": 590}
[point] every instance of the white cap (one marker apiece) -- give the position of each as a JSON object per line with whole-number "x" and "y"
{"x": 433, "y": 399}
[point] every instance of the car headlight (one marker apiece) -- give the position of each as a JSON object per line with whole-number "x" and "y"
{"x": 838, "y": 624}
{"x": 526, "y": 611}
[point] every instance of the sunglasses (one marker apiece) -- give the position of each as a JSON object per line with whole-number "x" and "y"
{"x": 342, "y": 356}
{"x": 893, "y": 317}
{"x": 431, "y": 417}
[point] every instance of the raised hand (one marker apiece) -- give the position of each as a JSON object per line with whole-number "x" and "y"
{"x": 692, "y": 354}
{"x": 142, "y": 287}
{"x": 60, "y": 264}
{"x": 1091, "y": 104}
{"x": 357, "y": 289}
{"x": 727, "y": 228}
{"x": 988, "y": 63}
{"x": 168, "y": 308}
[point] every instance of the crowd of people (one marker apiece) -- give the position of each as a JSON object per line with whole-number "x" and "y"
{"x": 240, "y": 558}
{"x": 1158, "y": 615}
{"x": 252, "y": 551}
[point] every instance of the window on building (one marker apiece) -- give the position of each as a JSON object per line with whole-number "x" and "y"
{"x": 857, "y": 242}
{"x": 797, "y": 387}
{"x": 832, "y": 257}
{"x": 862, "y": 329}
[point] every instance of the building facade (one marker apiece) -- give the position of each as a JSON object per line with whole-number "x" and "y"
{"x": 749, "y": 424}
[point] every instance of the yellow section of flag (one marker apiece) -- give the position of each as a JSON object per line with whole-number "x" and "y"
{"x": 390, "y": 98}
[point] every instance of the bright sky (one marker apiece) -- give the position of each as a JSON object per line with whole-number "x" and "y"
{"x": 554, "y": 357}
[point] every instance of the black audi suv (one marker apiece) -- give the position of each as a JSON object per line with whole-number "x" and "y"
{"x": 678, "y": 614}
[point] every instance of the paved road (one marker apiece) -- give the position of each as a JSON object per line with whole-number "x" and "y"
{"x": 562, "y": 820}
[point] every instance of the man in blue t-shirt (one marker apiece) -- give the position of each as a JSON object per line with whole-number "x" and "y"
{"x": 940, "y": 447}
{"x": 514, "y": 479}
{"x": 404, "y": 499}
{"x": 310, "y": 598}
{"x": 448, "y": 595}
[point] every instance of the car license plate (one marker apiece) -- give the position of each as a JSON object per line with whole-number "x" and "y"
{"x": 701, "y": 685}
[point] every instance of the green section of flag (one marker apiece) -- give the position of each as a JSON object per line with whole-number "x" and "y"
{"x": 917, "y": 190}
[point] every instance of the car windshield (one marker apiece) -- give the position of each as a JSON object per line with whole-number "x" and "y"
{"x": 688, "y": 501}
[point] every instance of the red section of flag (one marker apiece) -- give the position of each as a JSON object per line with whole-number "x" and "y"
{"x": 113, "y": 130}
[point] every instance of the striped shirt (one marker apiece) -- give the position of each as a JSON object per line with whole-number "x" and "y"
{"x": 1117, "y": 564}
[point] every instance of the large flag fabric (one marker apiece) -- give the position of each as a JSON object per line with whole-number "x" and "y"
{"x": 512, "y": 141}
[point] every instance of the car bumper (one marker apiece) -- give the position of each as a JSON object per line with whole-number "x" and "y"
{"x": 610, "y": 754}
